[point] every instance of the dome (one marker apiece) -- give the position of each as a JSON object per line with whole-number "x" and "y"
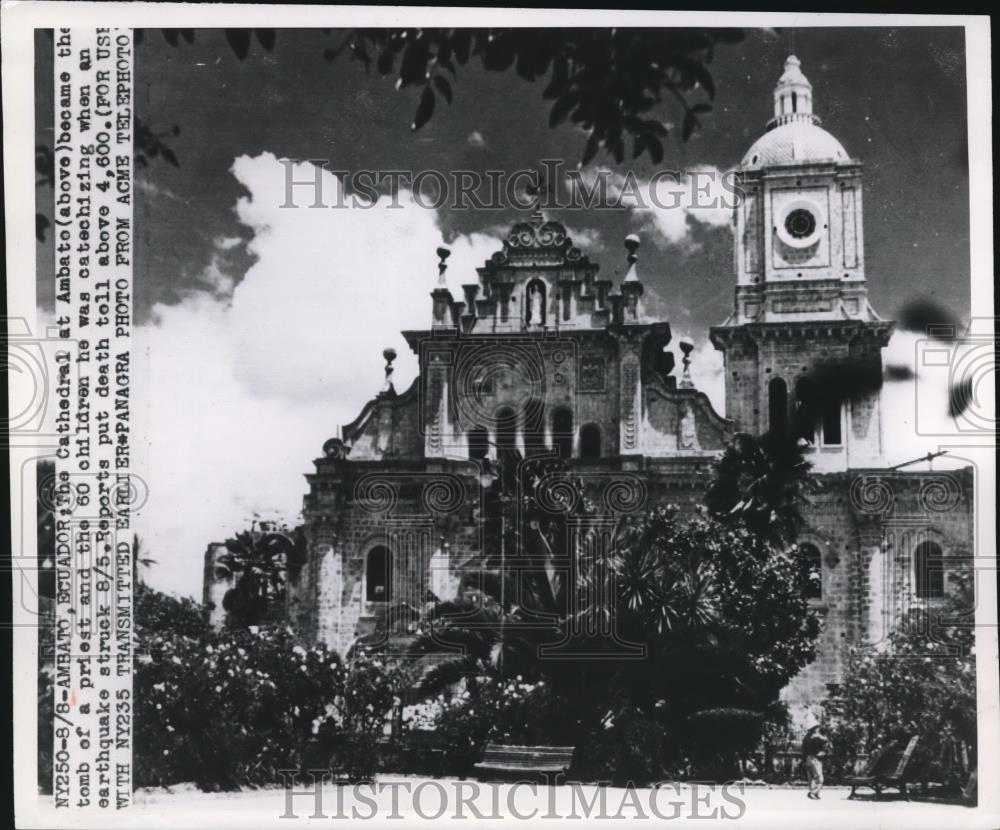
{"x": 794, "y": 135}
{"x": 795, "y": 142}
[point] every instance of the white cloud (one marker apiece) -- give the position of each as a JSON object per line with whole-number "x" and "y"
{"x": 670, "y": 201}
{"x": 237, "y": 394}
{"x": 701, "y": 195}
{"x": 707, "y": 368}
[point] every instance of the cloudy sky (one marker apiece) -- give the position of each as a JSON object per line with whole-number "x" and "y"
{"x": 260, "y": 329}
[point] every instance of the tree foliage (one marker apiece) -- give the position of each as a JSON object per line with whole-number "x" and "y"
{"x": 257, "y": 562}
{"x": 764, "y": 484}
{"x": 609, "y": 82}
{"x": 680, "y": 617}
{"x": 920, "y": 681}
{"x": 231, "y": 708}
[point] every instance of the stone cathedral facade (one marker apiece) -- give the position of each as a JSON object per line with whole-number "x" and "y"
{"x": 543, "y": 353}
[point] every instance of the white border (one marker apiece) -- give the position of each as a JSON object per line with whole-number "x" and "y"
{"x": 20, "y": 18}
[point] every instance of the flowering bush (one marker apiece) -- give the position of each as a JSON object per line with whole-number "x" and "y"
{"x": 511, "y": 711}
{"x": 921, "y": 682}
{"x": 232, "y": 708}
{"x": 228, "y": 709}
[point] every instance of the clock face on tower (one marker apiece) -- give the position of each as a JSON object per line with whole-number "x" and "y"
{"x": 800, "y": 233}
{"x": 799, "y": 224}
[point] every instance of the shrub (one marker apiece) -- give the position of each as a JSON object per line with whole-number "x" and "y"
{"x": 231, "y": 708}
{"x": 513, "y": 711}
{"x": 717, "y": 738}
{"x": 629, "y": 746}
{"x": 922, "y": 681}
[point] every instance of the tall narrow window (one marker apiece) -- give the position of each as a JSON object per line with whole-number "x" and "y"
{"x": 795, "y": 102}
{"x": 378, "y": 575}
{"x": 590, "y": 442}
{"x": 777, "y": 406}
{"x": 928, "y": 567}
{"x": 805, "y": 411}
{"x": 814, "y": 587}
{"x": 831, "y": 423}
{"x": 562, "y": 433}
{"x": 506, "y": 428}
{"x": 479, "y": 443}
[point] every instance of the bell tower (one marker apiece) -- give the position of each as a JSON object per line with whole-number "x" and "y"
{"x": 803, "y": 345}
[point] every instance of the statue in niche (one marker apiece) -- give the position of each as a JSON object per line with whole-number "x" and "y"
{"x": 689, "y": 430}
{"x": 536, "y": 303}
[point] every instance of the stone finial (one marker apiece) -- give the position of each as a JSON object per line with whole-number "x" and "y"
{"x": 535, "y": 191}
{"x": 632, "y": 243}
{"x": 443, "y": 254}
{"x": 686, "y": 346}
{"x": 389, "y": 354}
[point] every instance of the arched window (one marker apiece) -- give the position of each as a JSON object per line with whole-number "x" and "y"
{"x": 795, "y": 102}
{"x": 562, "y": 433}
{"x": 479, "y": 443}
{"x": 506, "y": 428}
{"x": 378, "y": 575}
{"x": 814, "y": 588}
{"x": 805, "y": 411}
{"x": 928, "y": 570}
{"x": 777, "y": 406}
{"x": 590, "y": 442}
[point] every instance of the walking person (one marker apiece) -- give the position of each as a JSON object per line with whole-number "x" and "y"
{"x": 814, "y": 748}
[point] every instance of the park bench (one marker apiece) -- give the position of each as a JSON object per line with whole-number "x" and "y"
{"x": 889, "y": 768}
{"x": 503, "y": 758}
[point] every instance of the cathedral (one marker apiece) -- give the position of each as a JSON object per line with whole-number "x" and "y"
{"x": 541, "y": 353}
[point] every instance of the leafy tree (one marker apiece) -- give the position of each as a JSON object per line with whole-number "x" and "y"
{"x": 257, "y": 560}
{"x": 921, "y": 681}
{"x": 764, "y": 484}
{"x": 721, "y": 614}
{"x": 157, "y": 614}
{"x": 608, "y": 81}
{"x": 140, "y": 558}
{"x": 725, "y": 621}
{"x": 231, "y": 708}
{"x": 516, "y": 603}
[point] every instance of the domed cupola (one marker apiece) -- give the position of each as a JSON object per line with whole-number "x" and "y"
{"x": 792, "y": 96}
{"x": 794, "y": 134}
